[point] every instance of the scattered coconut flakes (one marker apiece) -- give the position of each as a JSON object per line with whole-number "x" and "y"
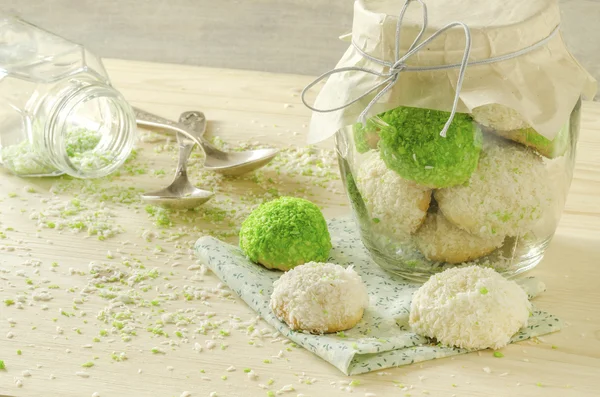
{"x": 285, "y": 389}
{"x": 487, "y": 370}
{"x": 82, "y": 374}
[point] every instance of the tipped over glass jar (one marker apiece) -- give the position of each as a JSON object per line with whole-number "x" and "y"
{"x": 466, "y": 148}
{"x": 59, "y": 113}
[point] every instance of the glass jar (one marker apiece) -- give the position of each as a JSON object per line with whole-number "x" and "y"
{"x": 488, "y": 193}
{"x": 59, "y": 113}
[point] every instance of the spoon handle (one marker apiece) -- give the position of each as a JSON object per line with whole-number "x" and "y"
{"x": 150, "y": 120}
{"x": 144, "y": 118}
{"x": 185, "y": 149}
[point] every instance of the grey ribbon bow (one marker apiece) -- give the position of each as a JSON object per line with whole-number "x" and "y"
{"x": 399, "y": 65}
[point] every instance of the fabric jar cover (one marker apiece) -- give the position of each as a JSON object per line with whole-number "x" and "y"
{"x": 543, "y": 85}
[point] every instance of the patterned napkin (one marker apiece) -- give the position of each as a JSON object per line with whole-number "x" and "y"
{"x": 383, "y": 338}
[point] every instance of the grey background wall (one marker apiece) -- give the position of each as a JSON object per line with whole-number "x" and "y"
{"x": 291, "y": 36}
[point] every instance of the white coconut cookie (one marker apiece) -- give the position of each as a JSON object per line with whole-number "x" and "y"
{"x": 505, "y": 196}
{"x": 396, "y": 206}
{"x": 470, "y": 307}
{"x": 499, "y": 117}
{"x": 439, "y": 240}
{"x": 319, "y": 298}
{"x": 508, "y": 123}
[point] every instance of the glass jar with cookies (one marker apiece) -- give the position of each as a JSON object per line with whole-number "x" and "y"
{"x": 456, "y": 140}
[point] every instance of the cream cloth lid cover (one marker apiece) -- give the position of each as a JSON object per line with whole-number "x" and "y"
{"x": 542, "y": 85}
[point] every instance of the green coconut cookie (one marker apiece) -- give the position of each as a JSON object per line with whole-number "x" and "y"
{"x": 365, "y": 137}
{"x": 544, "y": 146}
{"x": 412, "y": 146}
{"x": 284, "y": 233}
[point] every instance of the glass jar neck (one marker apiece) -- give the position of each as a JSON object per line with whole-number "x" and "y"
{"x": 88, "y": 129}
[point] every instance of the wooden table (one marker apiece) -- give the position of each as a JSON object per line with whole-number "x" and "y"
{"x": 266, "y": 107}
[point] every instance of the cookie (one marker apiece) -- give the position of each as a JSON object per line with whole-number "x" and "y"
{"x": 395, "y": 205}
{"x": 507, "y": 123}
{"x": 284, "y": 233}
{"x": 441, "y": 241}
{"x": 411, "y": 145}
{"x": 469, "y": 307}
{"x": 506, "y": 196}
{"x": 365, "y": 137}
{"x": 319, "y": 298}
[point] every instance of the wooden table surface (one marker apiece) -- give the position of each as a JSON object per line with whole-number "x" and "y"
{"x": 56, "y": 337}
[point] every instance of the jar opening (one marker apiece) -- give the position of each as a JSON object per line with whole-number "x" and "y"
{"x": 93, "y": 132}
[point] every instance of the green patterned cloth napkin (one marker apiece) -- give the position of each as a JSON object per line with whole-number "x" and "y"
{"x": 383, "y": 338}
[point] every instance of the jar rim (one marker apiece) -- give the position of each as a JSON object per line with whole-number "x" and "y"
{"x": 87, "y": 148}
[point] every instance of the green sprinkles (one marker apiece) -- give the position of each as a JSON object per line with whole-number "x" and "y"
{"x": 2, "y": 365}
{"x": 89, "y": 364}
{"x": 483, "y": 291}
{"x": 19, "y": 352}
{"x": 498, "y": 354}
{"x": 412, "y": 146}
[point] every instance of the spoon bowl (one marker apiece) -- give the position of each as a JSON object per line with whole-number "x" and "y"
{"x": 238, "y": 163}
{"x": 181, "y": 194}
{"x": 178, "y": 197}
{"x": 228, "y": 163}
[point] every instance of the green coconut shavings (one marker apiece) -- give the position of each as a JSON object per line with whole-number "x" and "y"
{"x": 284, "y": 233}
{"x": 80, "y": 144}
{"x": 412, "y": 146}
{"x": 22, "y": 159}
{"x": 160, "y": 215}
{"x": 26, "y": 159}
{"x": 81, "y": 140}
{"x": 365, "y": 137}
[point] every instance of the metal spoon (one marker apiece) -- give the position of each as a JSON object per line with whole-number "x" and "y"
{"x": 235, "y": 163}
{"x": 181, "y": 194}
